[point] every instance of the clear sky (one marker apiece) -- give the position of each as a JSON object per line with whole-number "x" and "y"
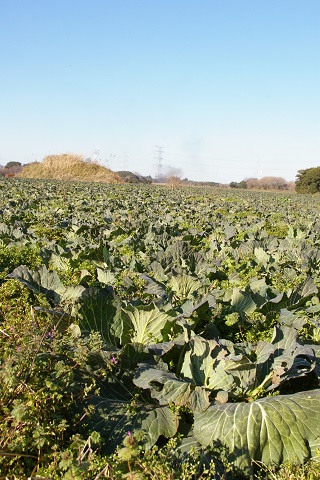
{"x": 229, "y": 88}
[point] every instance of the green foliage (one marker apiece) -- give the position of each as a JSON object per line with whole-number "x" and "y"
{"x": 130, "y": 177}
{"x": 42, "y": 379}
{"x": 290, "y": 471}
{"x": 12, "y": 164}
{"x": 14, "y": 255}
{"x": 133, "y": 462}
{"x": 17, "y": 314}
{"x": 271, "y": 430}
{"x": 153, "y": 311}
{"x": 308, "y": 180}
{"x": 241, "y": 184}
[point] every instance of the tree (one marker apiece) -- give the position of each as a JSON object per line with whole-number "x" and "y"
{"x": 13, "y": 164}
{"x": 242, "y": 184}
{"x": 130, "y": 177}
{"x": 308, "y": 180}
{"x": 267, "y": 183}
{"x": 11, "y": 169}
{"x": 173, "y": 177}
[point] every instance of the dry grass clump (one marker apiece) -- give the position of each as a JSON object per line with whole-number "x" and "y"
{"x": 69, "y": 166}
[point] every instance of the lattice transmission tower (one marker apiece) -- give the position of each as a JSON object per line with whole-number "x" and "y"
{"x": 158, "y": 155}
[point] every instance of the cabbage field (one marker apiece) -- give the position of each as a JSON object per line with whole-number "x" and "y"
{"x": 139, "y": 320}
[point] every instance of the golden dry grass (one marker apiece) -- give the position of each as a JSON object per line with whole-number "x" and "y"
{"x": 69, "y": 166}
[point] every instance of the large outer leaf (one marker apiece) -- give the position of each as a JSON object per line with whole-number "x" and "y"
{"x": 112, "y": 420}
{"x": 47, "y": 282}
{"x": 271, "y": 430}
{"x": 154, "y": 287}
{"x": 300, "y": 296}
{"x": 261, "y": 256}
{"x": 106, "y": 276}
{"x": 264, "y": 352}
{"x": 205, "y": 366}
{"x": 99, "y": 310}
{"x": 114, "y": 415}
{"x": 292, "y": 299}
{"x": 145, "y": 324}
{"x": 40, "y": 281}
{"x": 157, "y": 270}
{"x": 285, "y": 357}
{"x": 161, "y": 421}
{"x": 184, "y": 285}
{"x": 242, "y": 302}
{"x": 167, "y": 388}
{"x": 71, "y": 295}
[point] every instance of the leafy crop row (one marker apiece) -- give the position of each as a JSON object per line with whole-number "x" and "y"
{"x": 190, "y": 315}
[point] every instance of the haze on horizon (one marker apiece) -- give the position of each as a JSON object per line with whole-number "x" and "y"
{"x": 230, "y": 89}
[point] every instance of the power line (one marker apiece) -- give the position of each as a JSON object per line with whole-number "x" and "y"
{"x": 227, "y": 163}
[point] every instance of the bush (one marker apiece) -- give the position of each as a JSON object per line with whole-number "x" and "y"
{"x": 308, "y": 181}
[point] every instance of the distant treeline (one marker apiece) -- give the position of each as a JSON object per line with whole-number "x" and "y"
{"x": 130, "y": 177}
{"x": 265, "y": 183}
{"x": 12, "y": 169}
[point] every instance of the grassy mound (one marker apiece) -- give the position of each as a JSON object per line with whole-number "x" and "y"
{"x": 69, "y": 167}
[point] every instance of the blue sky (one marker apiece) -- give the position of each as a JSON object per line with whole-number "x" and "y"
{"x": 229, "y": 88}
